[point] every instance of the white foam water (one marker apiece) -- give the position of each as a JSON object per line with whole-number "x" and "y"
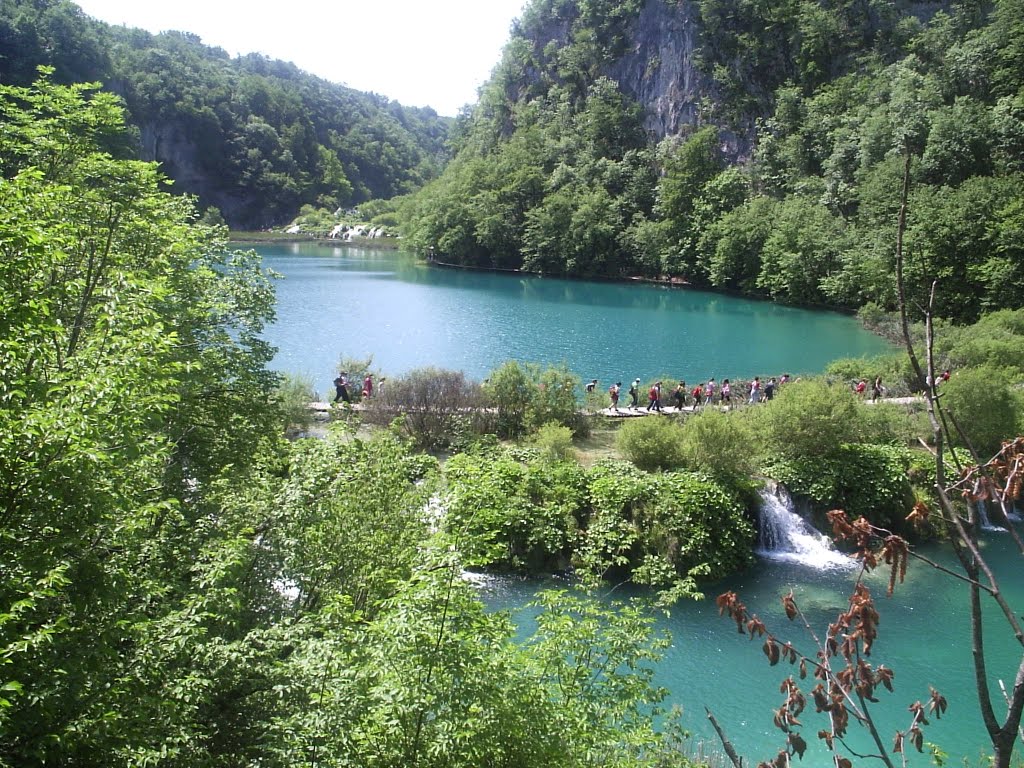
{"x": 785, "y": 535}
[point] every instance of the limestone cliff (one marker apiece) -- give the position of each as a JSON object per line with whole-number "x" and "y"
{"x": 180, "y": 156}
{"x": 659, "y": 69}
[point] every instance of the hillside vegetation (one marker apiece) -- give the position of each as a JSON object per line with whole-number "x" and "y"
{"x": 784, "y": 178}
{"x": 253, "y": 137}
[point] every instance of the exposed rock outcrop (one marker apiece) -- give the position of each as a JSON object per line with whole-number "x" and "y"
{"x": 659, "y": 69}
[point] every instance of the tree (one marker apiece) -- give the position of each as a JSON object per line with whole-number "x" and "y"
{"x": 133, "y": 385}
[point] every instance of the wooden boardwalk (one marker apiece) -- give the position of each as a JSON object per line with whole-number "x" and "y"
{"x": 322, "y": 406}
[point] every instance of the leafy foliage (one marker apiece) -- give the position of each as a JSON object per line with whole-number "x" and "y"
{"x": 436, "y": 408}
{"x": 652, "y": 443}
{"x": 180, "y": 586}
{"x": 784, "y": 180}
{"x": 869, "y": 481}
{"x": 663, "y": 527}
{"x": 555, "y": 441}
{"x": 506, "y": 513}
{"x": 985, "y": 405}
{"x": 809, "y": 418}
{"x": 134, "y": 386}
{"x": 720, "y": 445}
{"x": 527, "y": 397}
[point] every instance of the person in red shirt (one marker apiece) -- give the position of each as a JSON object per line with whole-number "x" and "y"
{"x": 654, "y": 397}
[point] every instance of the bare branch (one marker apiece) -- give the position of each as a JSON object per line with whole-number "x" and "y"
{"x": 730, "y": 751}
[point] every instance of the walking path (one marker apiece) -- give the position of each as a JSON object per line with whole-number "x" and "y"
{"x": 323, "y": 406}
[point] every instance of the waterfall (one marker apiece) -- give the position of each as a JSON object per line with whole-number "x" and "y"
{"x": 983, "y": 519}
{"x": 1012, "y": 514}
{"x": 784, "y": 535}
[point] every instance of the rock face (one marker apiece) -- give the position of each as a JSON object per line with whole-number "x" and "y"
{"x": 659, "y": 69}
{"x": 168, "y": 143}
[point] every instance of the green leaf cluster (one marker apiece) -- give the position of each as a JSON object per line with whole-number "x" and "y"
{"x": 526, "y": 397}
{"x": 865, "y": 480}
{"x": 785, "y": 182}
{"x": 531, "y": 514}
{"x": 510, "y": 514}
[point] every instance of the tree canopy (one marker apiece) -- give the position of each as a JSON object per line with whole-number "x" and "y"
{"x": 253, "y": 137}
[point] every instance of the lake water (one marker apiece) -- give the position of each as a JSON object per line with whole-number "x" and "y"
{"x": 923, "y": 636}
{"x": 336, "y": 301}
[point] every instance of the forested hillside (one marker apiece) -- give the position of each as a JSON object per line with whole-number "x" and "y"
{"x": 750, "y": 146}
{"x": 255, "y": 138}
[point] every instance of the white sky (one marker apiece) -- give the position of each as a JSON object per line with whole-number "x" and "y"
{"x": 418, "y": 52}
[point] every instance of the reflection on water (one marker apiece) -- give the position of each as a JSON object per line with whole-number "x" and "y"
{"x": 337, "y": 300}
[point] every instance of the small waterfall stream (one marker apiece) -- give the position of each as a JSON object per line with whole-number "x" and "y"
{"x": 784, "y": 535}
{"x": 985, "y": 519}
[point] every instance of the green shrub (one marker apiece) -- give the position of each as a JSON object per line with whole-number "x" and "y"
{"x": 721, "y": 444}
{"x": 509, "y": 391}
{"x": 554, "y": 400}
{"x": 438, "y": 408}
{"x": 865, "y": 480}
{"x": 662, "y": 527}
{"x": 984, "y": 404}
{"x": 508, "y": 514}
{"x": 554, "y": 441}
{"x": 808, "y": 419}
{"x": 698, "y": 527}
{"x": 526, "y": 397}
{"x": 293, "y": 395}
{"x": 996, "y": 340}
{"x": 652, "y": 443}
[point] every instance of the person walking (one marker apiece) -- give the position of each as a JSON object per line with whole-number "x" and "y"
{"x": 755, "y": 390}
{"x": 726, "y": 396}
{"x": 769, "y": 389}
{"x": 613, "y": 392}
{"x": 709, "y": 391}
{"x": 654, "y": 397}
{"x": 341, "y": 388}
{"x": 876, "y": 389}
{"x": 679, "y": 395}
{"x": 697, "y": 395}
{"x": 368, "y": 387}
{"x": 634, "y": 394}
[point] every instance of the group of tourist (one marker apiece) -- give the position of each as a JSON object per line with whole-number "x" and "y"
{"x": 706, "y": 393}
{"x": 341, "y": 384}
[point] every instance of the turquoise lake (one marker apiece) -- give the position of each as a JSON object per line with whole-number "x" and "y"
{"x": 336, "y": 301}
{"x": 923, "y": 635}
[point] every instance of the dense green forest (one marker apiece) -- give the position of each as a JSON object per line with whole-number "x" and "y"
{"x": 252, "y": 137}
{"x": 787, "y": 183}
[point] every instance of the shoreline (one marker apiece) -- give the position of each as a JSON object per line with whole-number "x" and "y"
{"x": 247, "y": 237}
{"x": 677, "y": 283}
